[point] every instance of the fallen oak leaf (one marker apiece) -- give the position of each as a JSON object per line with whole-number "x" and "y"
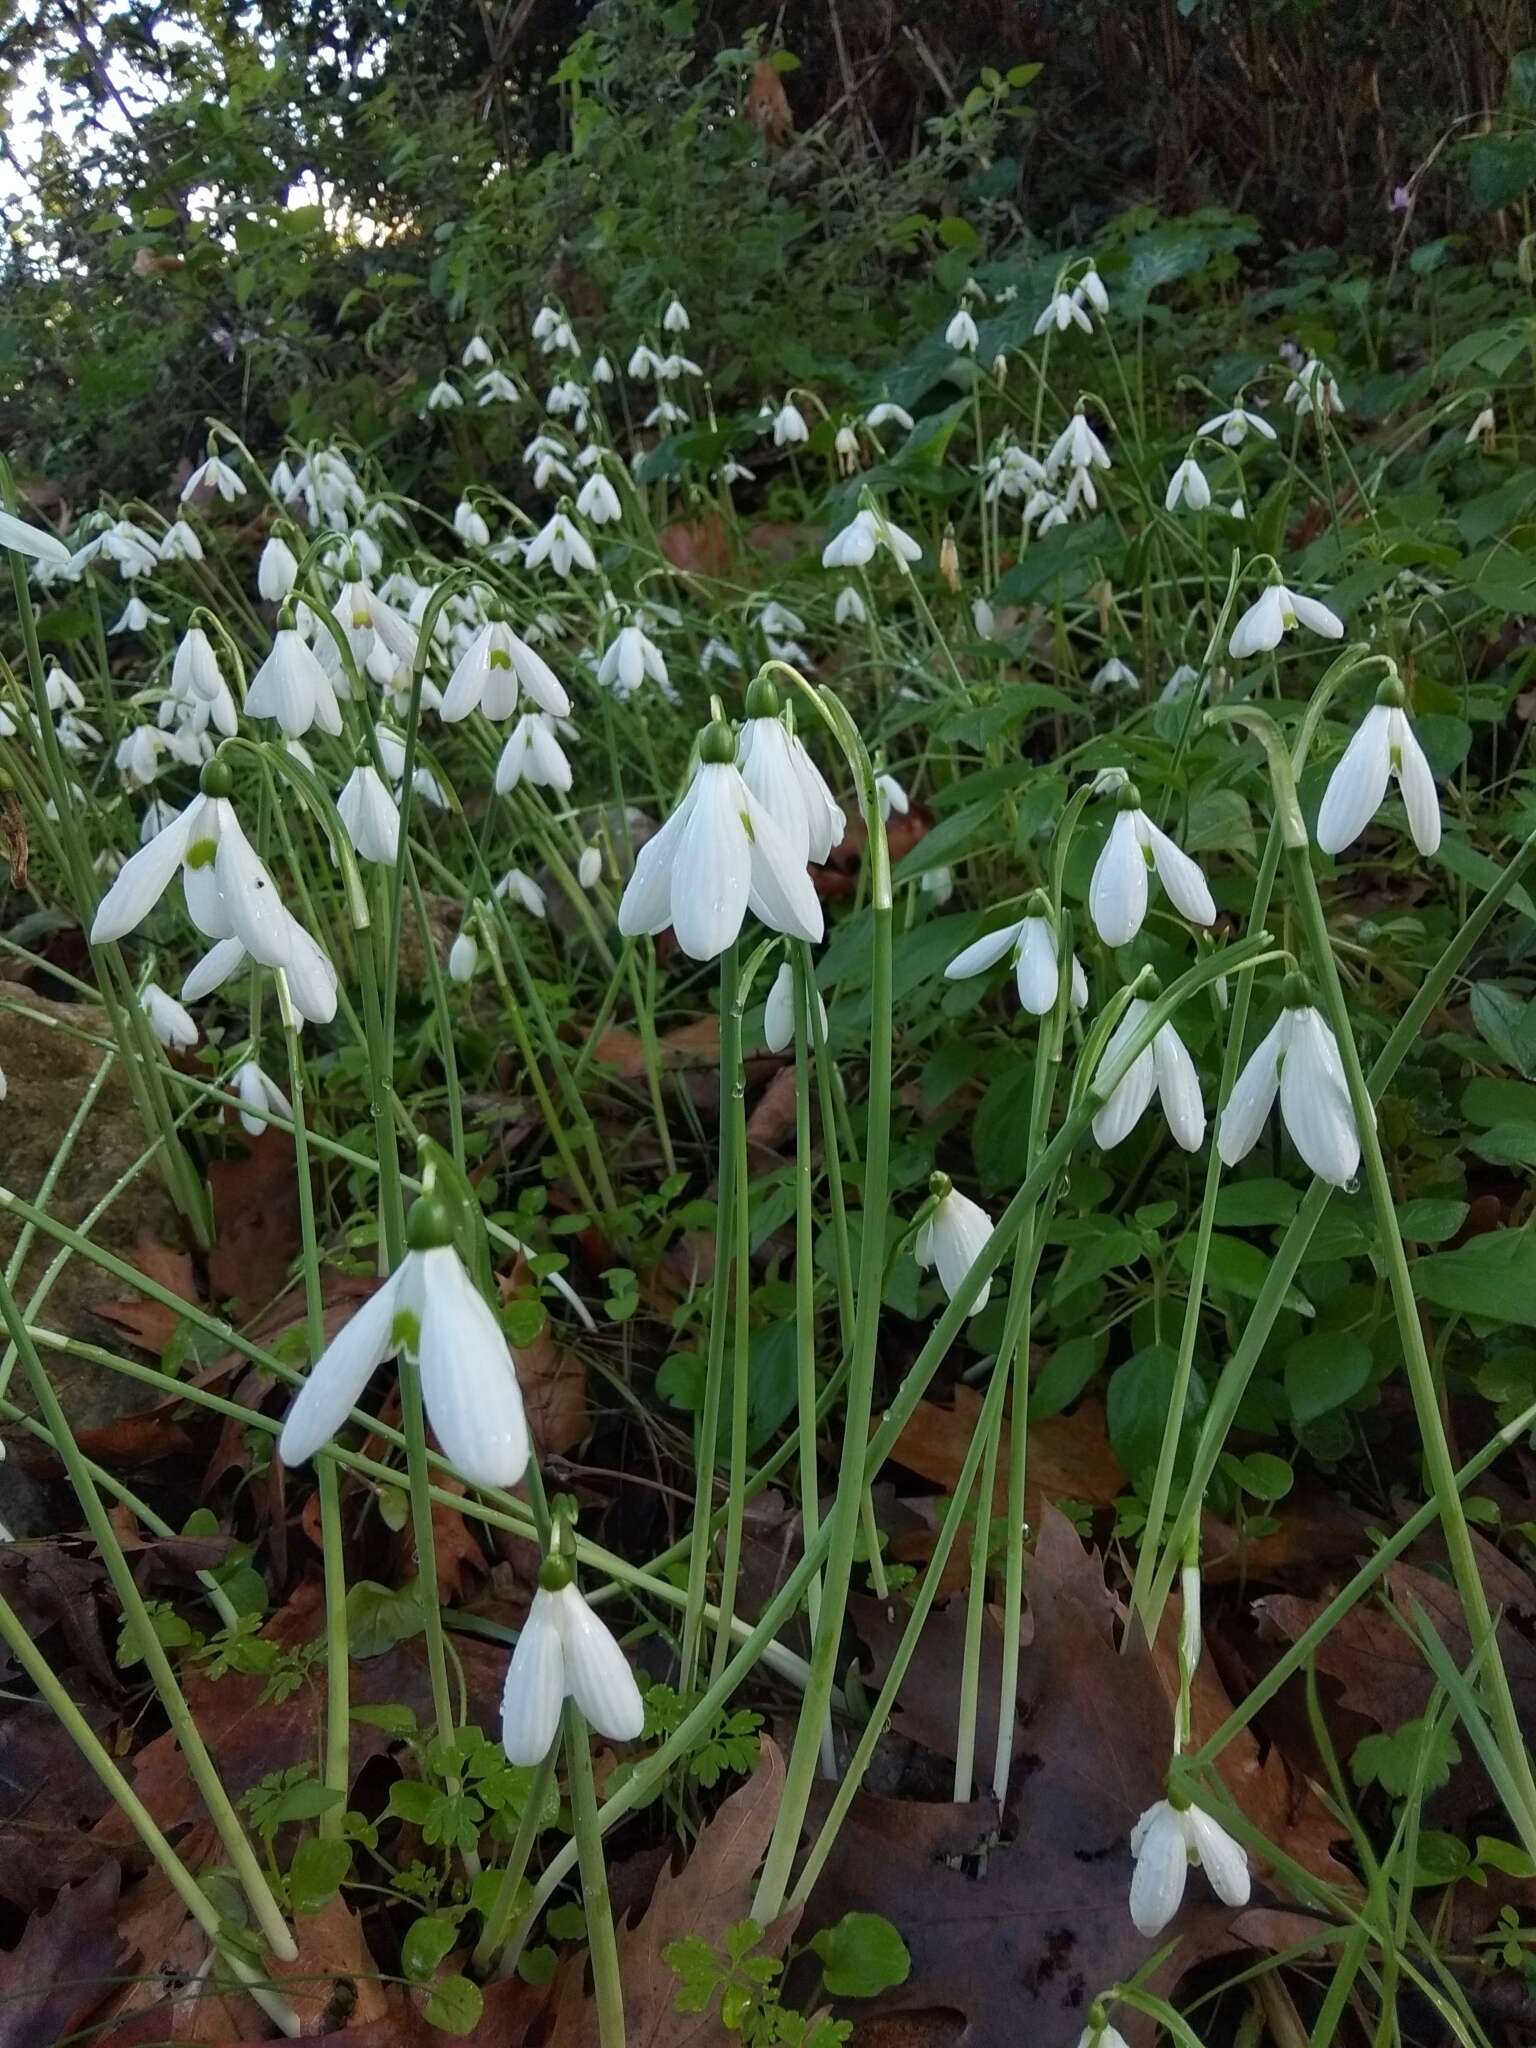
{"x": 57, "y": 1974}
{"x": 1069, "y": 1455}
{"x": 256, "y": 1214}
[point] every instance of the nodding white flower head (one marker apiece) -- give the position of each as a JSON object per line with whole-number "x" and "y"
{"x": 565, "y": 1651}
{"x": 1100, "y": 2034}
{"x": 533, "y": 754}
{"x": 789, "y": 427}
{"x": 137, "y": 759}
{"x": 1181, "y": 680}
{"x": 1090, "y": 286}
{"x": 561, "y": 543}
{"x": 845, "y": 447}
{"x": 887, "y": 413}
{"x": 444, "y": 396}
{"x": 495, "y": 387}
{"x": 1272, "y": 615}
{"x": 167, "y": 1019}
{"x": 598, "y": 501}
{"x": 135, "y": 616}
{"x": 1299, "y": 1059}
{"x": 1077, "y": 446}
{"x": 277, "y": 571}
{"x": 1061, "y": 311}
{"x": 35, "y": 542}
{"x": 1030, "y": 942}
{"x": 1235, "y": 426}
{"x": 961, "y": 334}
{"x": 490, "y": 671}
{"x": 628, "y": 659}
{"x": 939, "y": 883}
{"x": 293, "y": 686}
{"x": 195, "y": 668}
{"x": 1384, "y": 746}
{"x": 719, "y": 854}
{"x": 1113, "y": 674}
{"x": 181, "y": 543}
{"x": 475, "y": 353}
{"x": 890, "y": 796}
{"x": 370, "y": 816}
{"x": 1187, "y": 486}
{"x": 260, "y": 1098}
{"x": 1482, "y": 429}
{"x": 463, "y": 957}
{"x": 849, "y": 609}
{"x": 1164, "y": 1066}
{"x": 470, "y": 526}
{"x": 675, "y": 319}
{"x": 214, "y": 475}
{"x": 865, "y": 532}
{"x": 589, "y": 868}
{"x": 954, "y": 1233}
{"x": 1117, "y": 893}
{"x": 779, "y": 1010}
{"x": 1164, "y": 1842}
{"x": 602, "y": 370}
{"x": 1313, "y": 389}
{"x": 785, "y": 780}
{"x": 430, "y": 1309}
{"x": 643, "y": 362}
{"x": 516, "y": 887}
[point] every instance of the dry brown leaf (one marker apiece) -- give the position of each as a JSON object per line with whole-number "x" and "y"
{"x": 152, "y": 1324}
{"x": 554, "y": 1384}
{"x": 698, "y": 547}
{"x": 256, "y": 1215}
{"x": 766, "y": 105}
{"x": 57, "y": 1974}
{"x": 1069, "y": 1455}
{"x": 333, "y": 1978}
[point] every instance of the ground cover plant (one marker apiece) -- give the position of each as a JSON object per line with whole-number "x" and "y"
{"x": 810, "y": 1316}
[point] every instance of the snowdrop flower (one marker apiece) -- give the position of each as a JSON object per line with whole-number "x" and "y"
{"x": 463, "y": 958}
{"x": 589, "y": 868}
{"x": 719, "y": 854}
{"x": 1383, "y": 746}
{"x": 627, "y": 660}
{"x": 675, "y": 319}
{"x": 260, "y": 1098}
{"x": 496, "y": 388}
{"x": 562, "y": 544}
{"x": 490, "y": 671}
{"x": 430, "y": 1309}
{"x": 784, "y": 779}
{"x": 602, "y": 371}
{"x": 565, "y": 1651}
{"x": 533, "y": 754}
{"x": 1179, "y": 682}
{"x": 293, "y": 687}
{"x": 1273, "y": 614}
{"x": 779, "y": 1010}
{"x": 35, "y": 542}
{"x": 523, "y": 890}
{"x": 137, "y": 759}
{"x": 849, "y": 609}
{"x": 477, "y": 350}
{"x": 1187, "y": 485}
{"x": 1062, "y": 311}
{"x": 1077, "y": 445}
{"x": 845, "y": 447}
{"x": 214, "y": 475}
{"x": 1482, "y": 429}
{"x": 1117, "y": 893}
{"x": 890, "y": 796}
{"x": 1164, "y": 1842}
{"x": 643, "y": 362}
{"x": 885, "y": 412}
{"x": 1235, "y": 426}
{"x": 789, "y": 428}
{"x": 167, "y": 1019}
{"x": 823, "y": 813}
{"x": 1030, "y": 943}
{"x": 181, "y": 544}
{"x": 1165, "y": 1066}
{"x": 718, "y": 655}
{"x": 598, "y": 501}
{"x": 277, "y": 571}
{"x": 1312, "y": 389}
{"x": 1113, "y": 674}
{"x": 444, "y": 396}
{"x": 961, "y": 334}
{"x": 369, "y": 816}
{"x": 1090, "y": 286}
{"x": 951, "y": 1238}
{"x": 868, "y": 530}
{"x": 1299, "y": 1059}
{"x": 470, "y": 525}
{"x": 1100, "y": 2034}
{"x": 135, "y": 616}
{"x": 939, "y": 883}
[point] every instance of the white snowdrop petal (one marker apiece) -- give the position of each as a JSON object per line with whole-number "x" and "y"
{"x": 468, "y": 1381}
{"x": 1314, "y": 1100}
{"x": 646, "y": 905}
{"x": 779, "y": 1010}
{"x": 1222, "y": 1859}
{"x": 1186, "y": 886}
{"x": 1178, "y": 1087}
{"x": 1127, "y": 1104}
{"x": 780, "y": 890}
{"x": 1317, "y": 617}
{"x": 1252, "y": 1097}
{"x": 984, "y": 952}
{"x": 1358, "y": 783}
{"x": 1036, "y": 974}
{"x": 339, "y": 1375}
{"x": 143, "y": 878}
{"x": 1417, "y": 783}
{"x": 711, "y": 866}
{"x": 597, "y": 1673}
{"x": 222, "y": 959}
{"x": 1162, "y": 1869}
{"x": 535, "y": 1687}
{"x": 1117, "y": 894}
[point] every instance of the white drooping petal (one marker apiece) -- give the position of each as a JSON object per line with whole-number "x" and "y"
{"x": 535, "y": 1687}
{"x": 33, "y": 541}
{"x": 781, "y": 891}
{"x": 1222, "y": 1859}
{"x": 711, "y": 867}
{"x": 144, "y": 877}
{"x": 769, "y": 772}
{"x": 255, "y": 911}
{"x": 1036, "y": 971}
{"x": 1117, "y": 894}
{"x": 222, "y": 959}
{"x": 1262, "y": 626}
{"x": 1128, "y": 1100}
{"x": 950, "y": 1241}
{"x": 292, "y": 687}
{"x": 1181, "y": 878}
{"x": 1314, "y": 1099}
{"x": 167, "y": 1019}
{"x": 1317, "y": 617}
{"x": 1252, "y": 1097}
{"x": 1358, "y": 784}
{"x": 823, "y": 812}
{"x": 1162, "y": 1868}
{"x": 646, "y": 905}
{"x": 1417, "y": 783}
{"x": 597, "y": 1673}
{"x": 260, "y": 1097}
{"x": 1178, "y": 1088}
{"x": 984, "y": 952}
{"x": 339, "y": 1375}
{"x": 468, "y": 1380}
{"x": 370, "y": 816}
{"x": 310, "y": 976}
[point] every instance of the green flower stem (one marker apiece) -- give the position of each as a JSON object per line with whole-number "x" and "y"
{"x": 498, "y": 1922}
{"x": 443, "y": 1014}
{"x": 552, "y": 1118}
{"x": 976, "y": 1592}
{"x": 732, "y": 1133}
{"x": 983, "y": 1438}
{"x": 603, "y": 1948}
{"x": 54, "y": 1696}
{"x": 740, "y": 1280}
{"x": 338, "y": 1703}
{"x": 1421, "y": 1378}
{"x": 1178, "y": 1396}
{"x": 200, "y": 1764}
{"x": 1233, "y": 1383}
{"x": 825, "y": 1082}
{"x": 645, "y": 1019}
{"x": 805, "y": 1310}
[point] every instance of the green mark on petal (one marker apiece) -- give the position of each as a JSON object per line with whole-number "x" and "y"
{"x": 200, "y": 854}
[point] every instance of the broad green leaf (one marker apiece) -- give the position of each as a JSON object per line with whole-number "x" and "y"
{"x": 861, "y": 1956}
{"x": 1492, "y": 1278}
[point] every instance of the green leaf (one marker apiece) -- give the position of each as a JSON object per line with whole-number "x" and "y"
{"x": 1500, "y": 168}
{"x": 1507, "y": 1023}
{"x": 861, "y": 1956}
{"x": 414, "y": 1800}
{"x": 1219, "y": 821}
{"x": 1243, "y": 1204}
{"x": 316, "y": 1872}
{"x": 1137, "y": 1405}
{"x": 1237, "y": 1267}
{"x": 1324, "y": 1371}
{"x": 1064, "y": 1375}
{"x": 1264, "y": 1475}
{"x": 1430, "y": 1220}
{"x": 426, "y": 1942}
{"x": 378, "y": 1617}
{"x": 455, "y": 2006}
{"x": 1492, "y": 1278}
